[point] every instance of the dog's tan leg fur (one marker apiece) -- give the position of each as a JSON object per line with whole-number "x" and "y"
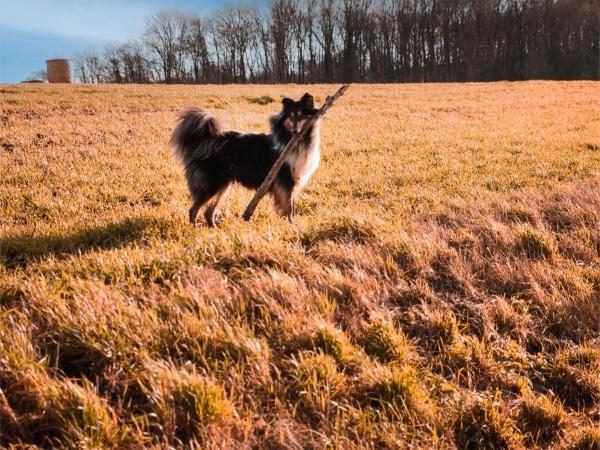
{"x": 213, "y": 205}
{"x": 194, "y": 212}
{"x": 284, "y": 202}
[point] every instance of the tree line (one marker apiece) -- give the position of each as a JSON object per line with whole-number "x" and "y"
{"x": 315, "y": 41}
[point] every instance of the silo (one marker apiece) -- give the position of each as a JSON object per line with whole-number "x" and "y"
{"x": 59, "y": 71}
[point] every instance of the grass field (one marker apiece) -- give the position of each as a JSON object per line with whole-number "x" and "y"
{"x": 440, "y": 287}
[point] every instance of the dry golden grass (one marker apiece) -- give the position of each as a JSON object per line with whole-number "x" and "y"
{"x": 440, "y": 287}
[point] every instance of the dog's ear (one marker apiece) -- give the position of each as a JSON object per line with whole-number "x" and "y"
{"x": 308, "y": 100}
{"x": 287, "y": 103}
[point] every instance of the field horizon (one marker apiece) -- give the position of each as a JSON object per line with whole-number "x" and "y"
{"x": 440, "y": 287}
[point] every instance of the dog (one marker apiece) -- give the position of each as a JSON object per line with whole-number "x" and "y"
{"x": 214, "y": 159}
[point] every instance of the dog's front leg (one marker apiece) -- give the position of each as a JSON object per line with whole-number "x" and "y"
{"x": 284, "y": 201}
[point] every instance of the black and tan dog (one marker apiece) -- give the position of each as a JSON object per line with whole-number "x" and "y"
{"x": 214, "y": 158}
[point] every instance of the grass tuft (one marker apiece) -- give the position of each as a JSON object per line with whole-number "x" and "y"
{"x": 383, "y": 341}
{"x": 585, "y": 357}
{"x": 589, "y": 440}
{"x": 577, "y": 388}
{"x": 333, "y": 342}
{"x": 341, "y": 230}
{"x": 507, "y": 319}
{"x": 316, "y": 381}
{"x": 535, "y": 244}
{"x": 540, "y": 418}
{"x": 83, "y": 419}
{"x": 262, "y": 100}
{"x": 399, "y": 394}
{"x": 485, "y": 424}
{"x": 184, "y": 402}
{"x": 436, "y": 329}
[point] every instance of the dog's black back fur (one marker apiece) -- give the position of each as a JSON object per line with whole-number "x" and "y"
{"x": 214, "y": 158}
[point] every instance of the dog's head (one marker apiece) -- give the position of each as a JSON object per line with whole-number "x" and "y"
{"x": 297, "y": 112}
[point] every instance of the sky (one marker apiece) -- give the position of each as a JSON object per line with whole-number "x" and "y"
{"x": 32, "y": 31}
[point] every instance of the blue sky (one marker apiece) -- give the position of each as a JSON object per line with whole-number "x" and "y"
{"x": 32, "y": 31}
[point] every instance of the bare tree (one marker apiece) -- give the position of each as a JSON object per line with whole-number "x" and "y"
{"x": 89, "y": 67}
{"x": 166, "y": 35}
{"x": 281, "y": 10}
{"x": 235, "y": 27}
{"x": 113, "y": 65}
{"x": 262, "y": 47}
{"x": 361, "y": 41}
{"x": 325, "y": 35}
{"x": 134, "y": 62}
{"x": 38, "y": 75}
{"x": 197, "y": 48}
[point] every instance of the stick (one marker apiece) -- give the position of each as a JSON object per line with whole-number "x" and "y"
{"x": 266, "y": 184}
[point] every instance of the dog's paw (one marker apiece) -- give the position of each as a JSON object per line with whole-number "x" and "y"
{"x": 214, "y": 221}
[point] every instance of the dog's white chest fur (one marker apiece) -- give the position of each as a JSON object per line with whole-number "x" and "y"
{"x": 305, "y": 161}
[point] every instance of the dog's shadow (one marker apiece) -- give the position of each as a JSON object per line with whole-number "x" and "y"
{"x": 22, "y": 249}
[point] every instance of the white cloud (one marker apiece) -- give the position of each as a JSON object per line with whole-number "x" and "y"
{"x": 107, "y": 21}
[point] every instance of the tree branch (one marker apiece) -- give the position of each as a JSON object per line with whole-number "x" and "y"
{"x": 292, "y": 144}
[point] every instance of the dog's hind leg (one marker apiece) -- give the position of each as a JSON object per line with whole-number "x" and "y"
{"x": 200, "y": 199}
{"x": 194, "y": 211}
{"x": 213, "y": 207}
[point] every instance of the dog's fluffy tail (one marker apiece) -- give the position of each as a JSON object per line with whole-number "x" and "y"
{"x": 196, "y": 135}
